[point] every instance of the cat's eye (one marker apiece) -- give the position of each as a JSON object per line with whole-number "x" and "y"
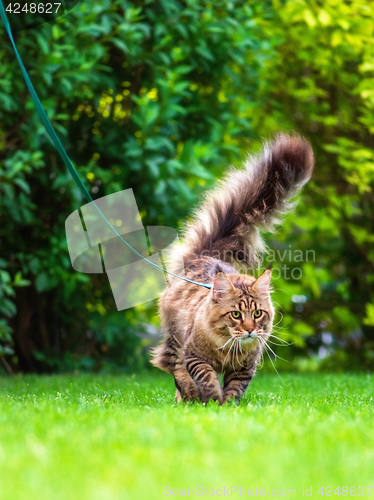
{"x": 236, "y": 314}
{"x": 257, "y": 314}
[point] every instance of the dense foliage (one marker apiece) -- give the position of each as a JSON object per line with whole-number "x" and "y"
{"x": 161, "y": 97}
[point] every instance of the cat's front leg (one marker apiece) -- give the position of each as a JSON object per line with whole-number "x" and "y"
{"x": 186, "y": 387}
{"x": 205, "y": 378}
{"x": 235, "y": 383}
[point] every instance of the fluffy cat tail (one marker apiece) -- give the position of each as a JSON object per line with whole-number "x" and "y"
{"x": 227, "y": 224}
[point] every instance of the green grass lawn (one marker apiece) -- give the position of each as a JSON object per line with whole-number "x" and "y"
{"x": 123, "y": 437}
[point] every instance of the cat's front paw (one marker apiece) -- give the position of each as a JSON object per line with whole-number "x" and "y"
{"x": 231, "y": 397}
{"x": 178, "y": 397}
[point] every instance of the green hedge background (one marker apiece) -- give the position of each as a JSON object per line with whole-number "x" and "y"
{"x": 162, "y": 96}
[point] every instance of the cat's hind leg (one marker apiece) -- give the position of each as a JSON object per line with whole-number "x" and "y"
{"x": 166, "y": 355}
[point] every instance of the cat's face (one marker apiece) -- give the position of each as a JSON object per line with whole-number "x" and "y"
{"x": 241, "y": 307}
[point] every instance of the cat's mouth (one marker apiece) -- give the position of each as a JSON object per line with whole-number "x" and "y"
{"x": 245, "y": 337}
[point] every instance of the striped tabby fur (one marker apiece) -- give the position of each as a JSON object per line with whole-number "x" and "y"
{"x": 223, "y": 330}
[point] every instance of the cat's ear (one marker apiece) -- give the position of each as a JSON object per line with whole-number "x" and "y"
{"x": 262, "y": 284}
{"x": 222, "y": 286}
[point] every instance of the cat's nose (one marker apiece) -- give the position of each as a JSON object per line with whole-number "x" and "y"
{"x": 248, "y": 326}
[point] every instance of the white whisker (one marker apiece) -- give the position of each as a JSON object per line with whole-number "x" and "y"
{"x": 280, "y": 339}
{"x": 271, "y": 350}
{"x": 224, "y": 344}
{"x": 224, "y": 361}
{"x": 238, "y": 345}
{"x": 271, "y": 361}
{"x": 241, "y": 350}
{"x": 283, "y": 343}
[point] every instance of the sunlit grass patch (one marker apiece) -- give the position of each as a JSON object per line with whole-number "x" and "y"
{"x": 118, "y": 437}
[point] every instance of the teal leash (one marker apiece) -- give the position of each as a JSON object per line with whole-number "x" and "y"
{"x": 57, "y": 143}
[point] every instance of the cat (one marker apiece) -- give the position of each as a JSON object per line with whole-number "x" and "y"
{"x": 224, "y": 329}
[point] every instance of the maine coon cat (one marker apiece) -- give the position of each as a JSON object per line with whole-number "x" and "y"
{"x": 223, "y": 330}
